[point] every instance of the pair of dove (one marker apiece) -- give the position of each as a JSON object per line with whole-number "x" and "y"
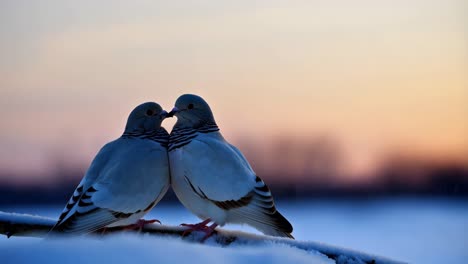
{"x": 210, "y": 177}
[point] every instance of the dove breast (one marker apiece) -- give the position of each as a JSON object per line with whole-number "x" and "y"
{"x": 207, "y": 171}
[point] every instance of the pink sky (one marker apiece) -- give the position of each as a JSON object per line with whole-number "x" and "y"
{"x": 377, "y": 76}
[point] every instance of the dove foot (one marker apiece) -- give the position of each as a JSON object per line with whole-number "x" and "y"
{"x": 209, "y": 231}
{"x": 102, "y": 231}
{"x": 196, "y": 227}
{"x": 140, "y": 224}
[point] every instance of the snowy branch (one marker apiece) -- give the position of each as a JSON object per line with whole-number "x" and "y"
{"x": 12, "y": 224}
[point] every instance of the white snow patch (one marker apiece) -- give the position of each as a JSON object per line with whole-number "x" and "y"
{"x": 146, "y": 249}
{"x": 26, "y": 218}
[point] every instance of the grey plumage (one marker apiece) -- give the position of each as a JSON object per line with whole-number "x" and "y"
{"x": 126, "y": 179}
{"x": 212, "y": 178}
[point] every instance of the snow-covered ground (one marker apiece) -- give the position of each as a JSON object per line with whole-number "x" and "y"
{"x": 136, "y": 249}
{"x": 413, "y": 230}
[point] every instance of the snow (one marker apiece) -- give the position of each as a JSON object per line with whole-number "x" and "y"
{"x": 406, "y": 229}
{"x": 146, "y": 249}
{"x": 27, "y": 218}
{"x": 245, "y": 242}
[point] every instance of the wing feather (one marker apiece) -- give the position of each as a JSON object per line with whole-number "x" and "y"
{"x": 227, "y": 204}
{"x": 262, "y": 210}
{"x": 230, "y": 177}
{"x": 233, "y": 185}
{"x": 126, "y": 177}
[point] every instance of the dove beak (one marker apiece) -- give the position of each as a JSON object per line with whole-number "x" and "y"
{"x": 164, "y": 114}
{"x": 173, "y": 112}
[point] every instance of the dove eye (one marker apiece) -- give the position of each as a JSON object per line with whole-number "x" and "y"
{"x": 190, "y": 106}
{"x": 149, "y": 112}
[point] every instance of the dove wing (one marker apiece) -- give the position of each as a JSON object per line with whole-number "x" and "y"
{"x": 221, "y": 174}
{"x": 262, "y": 208}
{"x": 127, "y": 176}
{"x": 232, "y": 185}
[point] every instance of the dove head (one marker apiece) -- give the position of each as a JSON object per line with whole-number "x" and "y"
{"x": 145, "y": 117}
{"x": 192, "y": 111}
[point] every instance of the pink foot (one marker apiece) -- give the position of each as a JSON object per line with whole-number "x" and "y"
{"x": 196, "y": 227}
{"x": 209, "y": 231}
{"x": 140, "y": 224}
{"x": 101, "y": 231}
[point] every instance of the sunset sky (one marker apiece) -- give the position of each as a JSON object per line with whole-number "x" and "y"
{"x": 377, "y": 76}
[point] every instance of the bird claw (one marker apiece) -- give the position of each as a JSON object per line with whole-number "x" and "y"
{"x": 152, "y": 221}
{"x": 201, "y": 227}
{"x": 195, "y": 227}
{"x": 209, "y": 232}
{"x": 192, "y": 228}
{"x": 102, "y": 231}
{"x": 140, "y": 224}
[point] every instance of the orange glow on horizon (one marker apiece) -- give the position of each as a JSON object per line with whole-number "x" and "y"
{"x": 373, "y": 77}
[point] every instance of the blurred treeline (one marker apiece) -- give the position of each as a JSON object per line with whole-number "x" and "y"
{"x": 293, "y": 170}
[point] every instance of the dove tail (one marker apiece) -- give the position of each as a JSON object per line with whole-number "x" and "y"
{"x": 283, "y": 227}
{"x": 279, "y": 226}
{"x": 261, "y": 213}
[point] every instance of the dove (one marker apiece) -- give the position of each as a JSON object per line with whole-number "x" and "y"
{"x": 126, "y": 179}
{"x": 213, "y": 179}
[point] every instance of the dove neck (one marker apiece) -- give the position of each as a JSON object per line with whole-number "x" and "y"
{"x": 183, "y": 135}
{"x": 203, "y": 127}
{"x": 159, "y": 135}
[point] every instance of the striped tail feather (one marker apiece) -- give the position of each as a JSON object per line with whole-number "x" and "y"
{"x": 84, "y": 223}
{"x": 262, "y": 214}
{"x": 82, "y": 216}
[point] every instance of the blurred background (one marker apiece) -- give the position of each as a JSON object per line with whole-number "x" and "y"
{"x": 338, "y": 105}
